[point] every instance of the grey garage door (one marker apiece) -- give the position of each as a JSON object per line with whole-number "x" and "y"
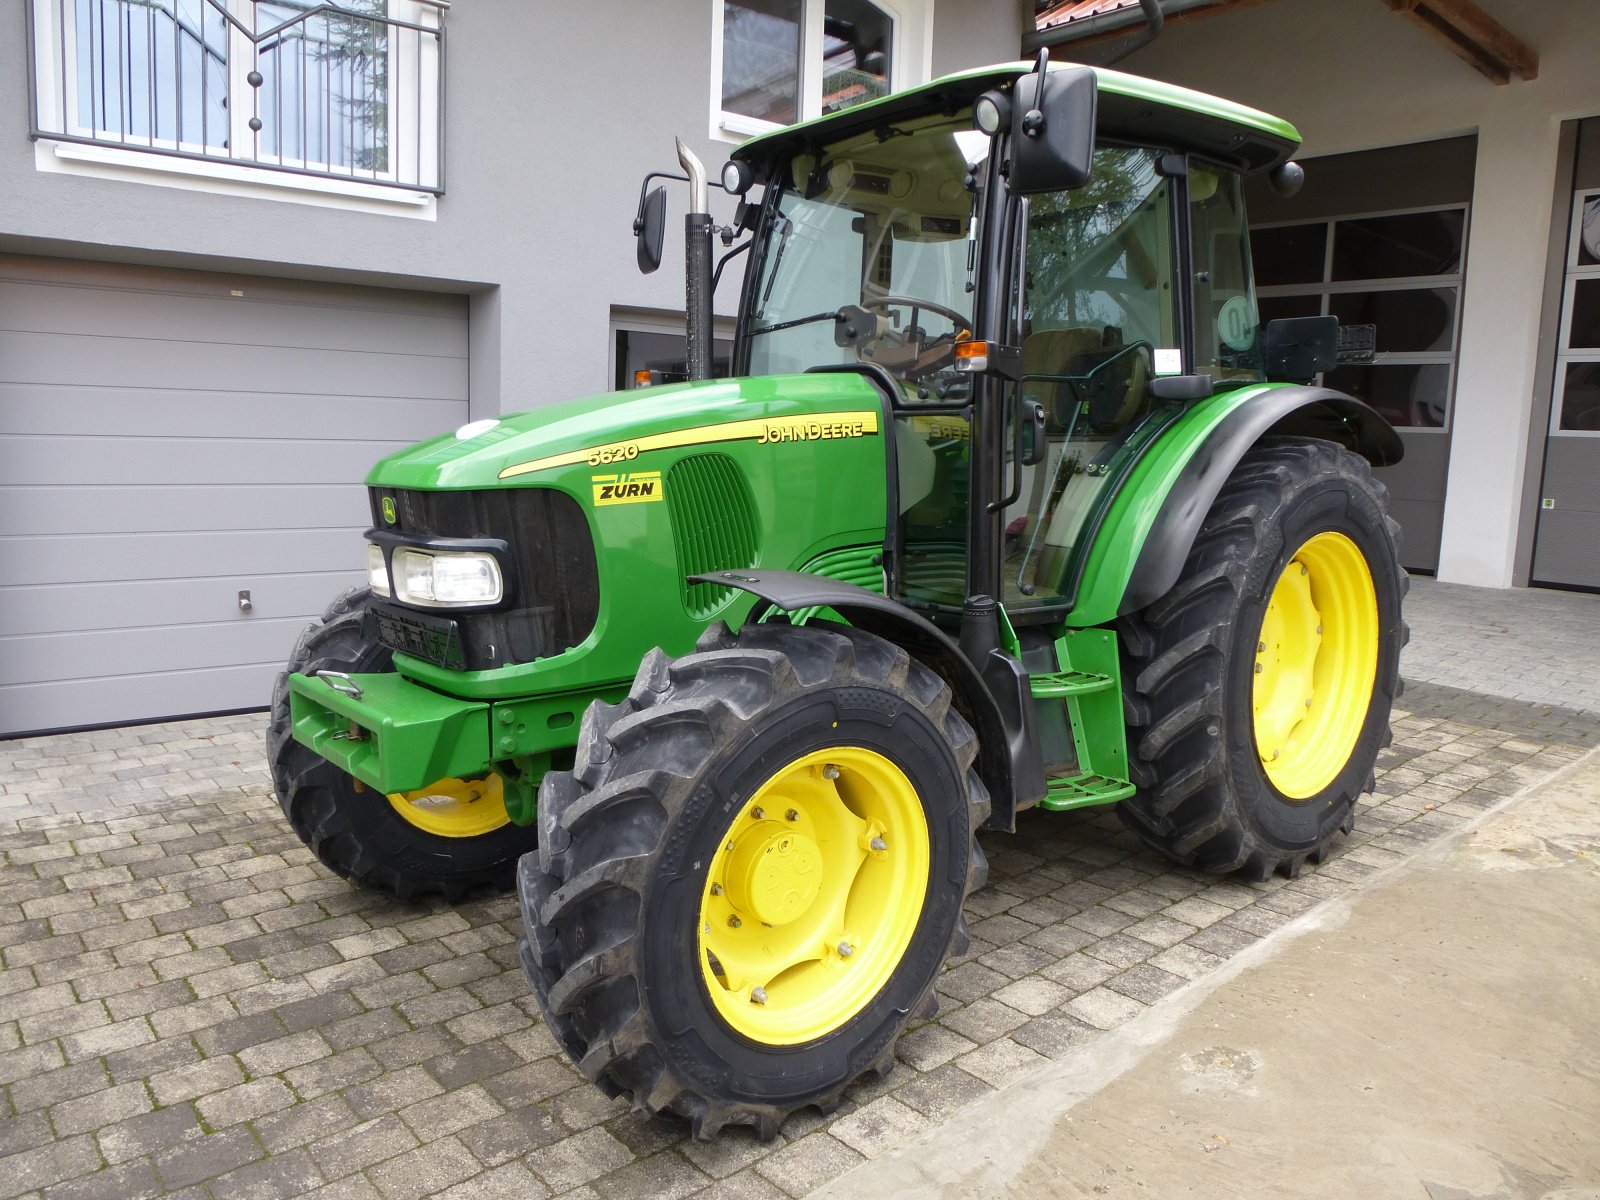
{"x": 169, "y": 439}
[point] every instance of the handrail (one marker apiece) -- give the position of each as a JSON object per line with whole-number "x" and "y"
{"x": 330, "y": 91}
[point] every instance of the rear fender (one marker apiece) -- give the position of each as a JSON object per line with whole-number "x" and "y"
{"x": 1142, "y": 545}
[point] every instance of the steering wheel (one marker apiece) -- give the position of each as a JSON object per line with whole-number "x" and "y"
{"x": 910, "y": 356}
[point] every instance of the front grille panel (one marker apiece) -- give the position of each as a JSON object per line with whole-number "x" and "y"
{"x": 555, "y": 581}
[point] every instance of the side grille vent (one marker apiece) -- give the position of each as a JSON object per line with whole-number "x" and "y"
{"x": 714, "y": 526}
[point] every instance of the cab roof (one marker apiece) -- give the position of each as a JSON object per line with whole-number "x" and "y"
{"x": 1131, "y": 109}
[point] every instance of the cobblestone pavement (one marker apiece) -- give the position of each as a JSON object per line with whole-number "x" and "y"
{"x": 191, "y": 1005}
{"x": 1523, "y": 643}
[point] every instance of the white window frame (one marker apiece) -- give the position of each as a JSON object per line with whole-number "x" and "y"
{"x": 910, "y": 62}
{"x": 413, "y": 127}
{"x": 1327, "y": 287}
{"x": 1565, "y": 354}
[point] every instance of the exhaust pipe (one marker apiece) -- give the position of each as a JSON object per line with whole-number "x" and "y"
{"x": 697, "y": 230}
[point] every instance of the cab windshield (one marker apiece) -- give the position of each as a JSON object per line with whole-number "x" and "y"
{"x": 870, "y": 256}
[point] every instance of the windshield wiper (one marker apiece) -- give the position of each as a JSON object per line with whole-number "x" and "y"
{"x": 836, "y": 315}
{"x": 784, "y": 230}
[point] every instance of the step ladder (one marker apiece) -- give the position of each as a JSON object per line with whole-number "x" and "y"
{"x": 1077, "y": 791}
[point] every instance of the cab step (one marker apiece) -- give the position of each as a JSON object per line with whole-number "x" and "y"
{"x": 1082, "y": 791}
{"x": 1058, "y": 685}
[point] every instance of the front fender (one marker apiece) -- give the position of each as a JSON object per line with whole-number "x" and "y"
{"x": 1140, "y": 549}
{"x": 1008, "y": 755}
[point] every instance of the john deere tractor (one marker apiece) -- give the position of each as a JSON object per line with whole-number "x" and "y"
{"x": 1010, "y": 503}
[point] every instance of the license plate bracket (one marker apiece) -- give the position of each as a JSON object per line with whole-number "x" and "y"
{"x": 433, "y": 639}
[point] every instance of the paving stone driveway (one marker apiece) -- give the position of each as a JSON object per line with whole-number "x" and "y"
{"x": 191, "y": 1005}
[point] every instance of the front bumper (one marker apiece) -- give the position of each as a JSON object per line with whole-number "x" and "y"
{"x": 391, "y": 734}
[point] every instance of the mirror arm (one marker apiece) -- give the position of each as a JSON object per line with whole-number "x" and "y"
{"x": 1033, "y": 119}
{"x": 644, "y": 188}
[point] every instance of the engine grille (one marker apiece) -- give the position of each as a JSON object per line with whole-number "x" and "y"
{"x": 555, "y": 584}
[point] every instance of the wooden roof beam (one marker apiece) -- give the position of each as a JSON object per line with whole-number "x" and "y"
{"x": 1474, "y": 36}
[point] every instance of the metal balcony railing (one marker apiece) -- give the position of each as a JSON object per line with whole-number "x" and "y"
{"x": 346, "y": 91}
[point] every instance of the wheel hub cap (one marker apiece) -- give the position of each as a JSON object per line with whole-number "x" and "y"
{"x": 774, "y": 873}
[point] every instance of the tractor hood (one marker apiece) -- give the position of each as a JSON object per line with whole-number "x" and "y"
{"x": 618, "y": 428}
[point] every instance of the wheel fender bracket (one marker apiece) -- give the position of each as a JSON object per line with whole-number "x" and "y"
{"x": 1001, "y": 756}
{"x": 412, "y": 735}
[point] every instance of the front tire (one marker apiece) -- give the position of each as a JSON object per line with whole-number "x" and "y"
{"x": 754, "y": 874}
{"x": 444, "y": 839}
{"x": 1260, "y": 686}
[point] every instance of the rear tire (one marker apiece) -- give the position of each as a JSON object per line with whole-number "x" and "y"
{"x": 359, "y": 833}
{"x": 624, "y": 904}
{"x": 1232, "y": 774}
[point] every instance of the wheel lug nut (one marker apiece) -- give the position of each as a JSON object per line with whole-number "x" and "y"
{"x": 1274, "y": 758}
{"x": 716, "y": 888}
{"x": 830, "y": 772}
{"x": 758, "y": 995}
{"x": 758, "y": 812}
{"x": 1319, "y": 629}
{"x": 1303, "y": 570}
{"x": 1260, "y": 668}
{"x": 734, "y": 922}
{"x": 846, "y": 949}
{"x": 1308, "y": 704}
{"x": 1261, "y": 647}
{"x": 878, "y": 843}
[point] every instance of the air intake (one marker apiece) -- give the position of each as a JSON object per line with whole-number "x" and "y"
{"x": 714, "y": 526}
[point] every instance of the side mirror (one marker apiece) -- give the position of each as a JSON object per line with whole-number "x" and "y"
{"x": 649, "y": 227}
{"x": 1052, "y": 130}
{"x": 1294, "y": 349}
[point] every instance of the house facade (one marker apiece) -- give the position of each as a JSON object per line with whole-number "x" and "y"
{"x": 1452, "y": 199}
{"x": 247, "y": 247}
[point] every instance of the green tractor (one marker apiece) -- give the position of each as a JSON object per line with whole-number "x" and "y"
{"x": 1010, "y": 503}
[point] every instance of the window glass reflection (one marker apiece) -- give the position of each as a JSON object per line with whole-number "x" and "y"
{"x": 1580, "y": 398}
{"x": 1415, "y": 395}
{"x": 1409, "y": 321}
{"x": 761, "y": 59}
{"x": 856, "y": 44}
{"x": 1585, "y": 332}
{"x": 1289, "y": 254}
{"x": 1394, "y": 247}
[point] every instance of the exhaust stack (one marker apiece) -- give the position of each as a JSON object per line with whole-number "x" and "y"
{"x": 697, "y": 229}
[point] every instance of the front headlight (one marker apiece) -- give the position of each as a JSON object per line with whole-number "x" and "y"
{"x": 438, "y": 579}
{"x": 377, "y": 573}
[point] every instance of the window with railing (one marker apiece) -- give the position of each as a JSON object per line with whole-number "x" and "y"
{"x": 350, "y": 90}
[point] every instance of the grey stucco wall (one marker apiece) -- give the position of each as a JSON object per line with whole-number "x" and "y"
{"x": 549, "y": 126}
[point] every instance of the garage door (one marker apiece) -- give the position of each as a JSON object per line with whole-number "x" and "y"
{"x": 171, "y": 439}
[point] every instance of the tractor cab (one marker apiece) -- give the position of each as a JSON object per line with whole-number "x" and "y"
{"x": 894, "y": 241}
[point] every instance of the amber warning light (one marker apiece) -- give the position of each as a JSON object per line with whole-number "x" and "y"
{"x": 972, "y": 356}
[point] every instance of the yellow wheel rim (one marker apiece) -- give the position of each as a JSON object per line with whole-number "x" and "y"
{"x": 813, "y": 895}
{"x": 1316, "y": 660}
{"x": 455, "y": 808}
